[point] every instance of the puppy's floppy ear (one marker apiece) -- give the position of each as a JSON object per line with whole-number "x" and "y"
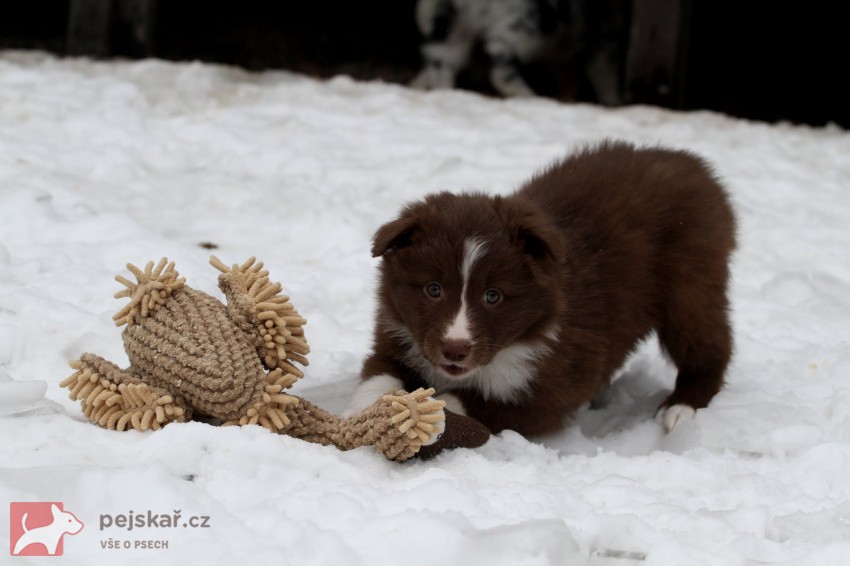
{"x": 540, "y": 242}
{"x": 394, "y": 235}
{"x": 532, "y": 232}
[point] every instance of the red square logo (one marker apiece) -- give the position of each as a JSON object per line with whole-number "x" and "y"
{"x": 37, "y": 528}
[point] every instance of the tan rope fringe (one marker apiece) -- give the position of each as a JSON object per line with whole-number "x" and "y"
{"x": 115, "y": 405}
{"x": 153, "y": 286}
{"x": 278, "y": 323}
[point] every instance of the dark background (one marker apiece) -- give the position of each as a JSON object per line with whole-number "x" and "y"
{"x": 754, "y": 59}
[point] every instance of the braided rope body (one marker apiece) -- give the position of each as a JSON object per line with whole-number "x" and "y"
{"x": 191, "y": 347}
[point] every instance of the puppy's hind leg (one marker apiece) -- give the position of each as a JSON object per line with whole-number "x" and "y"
{"x": 696, "y": 334}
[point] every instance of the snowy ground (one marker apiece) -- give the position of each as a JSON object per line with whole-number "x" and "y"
{"x": 105, "y": 163}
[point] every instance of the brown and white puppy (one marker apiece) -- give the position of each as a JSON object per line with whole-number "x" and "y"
{"x": 518, "y": 309}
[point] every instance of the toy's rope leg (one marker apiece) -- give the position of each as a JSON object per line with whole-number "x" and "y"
{"x": 115, "y": 399}
{"x": 397, "y": 424}
{"x": 270, "y": 411}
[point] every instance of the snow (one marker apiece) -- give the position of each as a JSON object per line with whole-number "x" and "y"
{"x": 113, "y": 162}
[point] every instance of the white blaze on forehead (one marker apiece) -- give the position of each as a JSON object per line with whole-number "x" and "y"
{"x": 459, "y": 329}
{"x": 473, "y": 249}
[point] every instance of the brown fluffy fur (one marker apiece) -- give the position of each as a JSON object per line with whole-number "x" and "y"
{"x": 609, "y": 244}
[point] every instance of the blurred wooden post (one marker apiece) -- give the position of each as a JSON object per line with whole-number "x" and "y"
{"x": 89, "y": 23}
{"x": 655, "y": 69}
{"x": 99, "y": 28}
{"x": 139, "y": 18}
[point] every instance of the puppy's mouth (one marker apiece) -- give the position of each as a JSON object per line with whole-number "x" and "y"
{"x": 455, "y": 370}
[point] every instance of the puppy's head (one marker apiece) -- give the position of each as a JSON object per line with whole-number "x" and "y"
{"x": 463, "y": 277}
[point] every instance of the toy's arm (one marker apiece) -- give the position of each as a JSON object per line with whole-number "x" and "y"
{"x": 266, "y": 316}
{"x": 148, "y": 293}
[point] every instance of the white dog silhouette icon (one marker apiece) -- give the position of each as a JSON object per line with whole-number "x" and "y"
{"x": 49, "y": 535}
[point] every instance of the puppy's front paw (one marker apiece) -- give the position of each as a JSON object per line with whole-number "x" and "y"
{"x": 370, "y": 390}
{"x": 671, "y": 416}
{"x": 453, "y": 403}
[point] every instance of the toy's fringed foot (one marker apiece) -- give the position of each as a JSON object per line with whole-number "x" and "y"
{"x": 257, "y": 305}
{"x": 398, "y": 424}
{"x": 115, "y": 399}
{"x": 419, "y": 419}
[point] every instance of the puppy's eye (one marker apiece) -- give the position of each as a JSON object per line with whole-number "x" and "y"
{"x": 434, "y": 290}
{"x": 492, "y": 296}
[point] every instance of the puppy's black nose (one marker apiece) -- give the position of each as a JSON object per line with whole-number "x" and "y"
{"x": 456, "y": 350}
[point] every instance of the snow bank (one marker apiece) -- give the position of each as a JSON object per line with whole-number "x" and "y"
{"x": 105, "y": 163}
